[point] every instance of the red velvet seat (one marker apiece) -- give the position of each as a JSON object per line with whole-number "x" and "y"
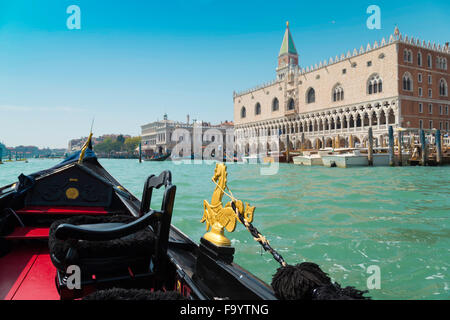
{"x": 91, "y": 211}
{"x": 28, "y": 233}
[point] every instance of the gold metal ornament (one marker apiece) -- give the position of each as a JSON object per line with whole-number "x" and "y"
{"x": 218, "y": 217}
{"x": 72, "y": 193}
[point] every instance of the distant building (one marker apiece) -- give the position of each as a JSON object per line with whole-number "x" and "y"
{"x": 400, "y": 81}
{"x": 157, "y": 136}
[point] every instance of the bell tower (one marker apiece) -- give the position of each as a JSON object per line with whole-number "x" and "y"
{"x": 288, "y": 56}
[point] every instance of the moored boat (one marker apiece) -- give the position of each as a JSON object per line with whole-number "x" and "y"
{"x": 255, "y": 158}
{"x": 345, "y": 158}
{"x": 158, "y": 157}
{"x": 311, "y": 157}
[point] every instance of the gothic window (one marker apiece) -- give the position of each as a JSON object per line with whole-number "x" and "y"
{"x": 419, "y": 59}
{"x": 407, "y": 55}
{"x": 275, "y": 104}
{"x": 407, "y": 82}
{"x": 429, "y": 61}
{"x": 258, "y": 108}
{"x": 374, "y": 84}
{"x": 338, "y": 93}
{"x": 310, "y": 96}
{"x": 243, "y": 112}
{"x": 291, "y": 104}
{"x": 443, "y": 88}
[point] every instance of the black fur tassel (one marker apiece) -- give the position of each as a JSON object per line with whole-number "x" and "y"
{"x": 133, "y": 294}
{"x": 306, "y": 281}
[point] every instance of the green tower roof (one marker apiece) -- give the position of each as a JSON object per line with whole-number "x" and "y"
{"x": 288, "y": 45}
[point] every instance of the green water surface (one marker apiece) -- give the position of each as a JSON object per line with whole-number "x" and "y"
{"x": 343, "y": 219}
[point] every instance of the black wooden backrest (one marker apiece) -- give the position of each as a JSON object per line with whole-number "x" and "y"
{"x": 164, "y": 179}
{"x": 161, "y": 225}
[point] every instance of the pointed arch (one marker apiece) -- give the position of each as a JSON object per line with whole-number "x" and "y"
{"x": 291, "y": 104}
{"x": 443, "y": 87}
{"x": 374, "y": 84}
{"x": 382, "y": 117}
{"x": 310, "y": 95}
{"x": 407, "y": 82}
{"x": 257, "y": 108}
{"x": 391, "y": 117}
{"x": 243, "y": 112}
{"x": 275, "y": 104}
{"x": 337, "y": 92}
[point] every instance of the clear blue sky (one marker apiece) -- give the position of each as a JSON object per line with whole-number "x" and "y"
{"x": 134, "y": 60}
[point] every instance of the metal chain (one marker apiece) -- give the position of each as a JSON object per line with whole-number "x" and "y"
{"x": 257, "y": 236}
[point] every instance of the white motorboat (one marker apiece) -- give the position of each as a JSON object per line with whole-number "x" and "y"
{"x": 345, "y": 158}
{"x": 312, "y": 158}
{"x": 255, "y": 158}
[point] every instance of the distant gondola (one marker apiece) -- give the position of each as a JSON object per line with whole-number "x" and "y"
{"x": 160, "y": 157}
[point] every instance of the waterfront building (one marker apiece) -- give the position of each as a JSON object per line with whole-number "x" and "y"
{"x": 157, "y": 136}
{"x": 400, "y": 81}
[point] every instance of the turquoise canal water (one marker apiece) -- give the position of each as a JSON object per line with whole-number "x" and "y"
{"x": 343, "y": 219}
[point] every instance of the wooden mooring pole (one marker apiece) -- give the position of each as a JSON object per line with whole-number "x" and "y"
{"x": 423, "y": 145}
{"x": 391, "y": 146}
{"x": 400, "y": 139}
{"x": 370, "y": 150}
{"x": 438, "y": 147}
{"x": 140, "y": 152}
{"x": 303, "y": 140}
{"x": 287, "y": 148}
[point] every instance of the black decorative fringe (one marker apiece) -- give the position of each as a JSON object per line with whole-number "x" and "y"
{"x": 306, "y": 281}
{"x": 133, "y": 294}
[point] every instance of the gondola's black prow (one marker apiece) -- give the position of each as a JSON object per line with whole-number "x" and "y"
{"x": 111, "y": 248}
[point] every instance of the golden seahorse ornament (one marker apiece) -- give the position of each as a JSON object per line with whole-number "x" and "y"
{"x": 218, "y": 217}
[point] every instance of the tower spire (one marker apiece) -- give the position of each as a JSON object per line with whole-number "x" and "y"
{"x": 288, "y": 56}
